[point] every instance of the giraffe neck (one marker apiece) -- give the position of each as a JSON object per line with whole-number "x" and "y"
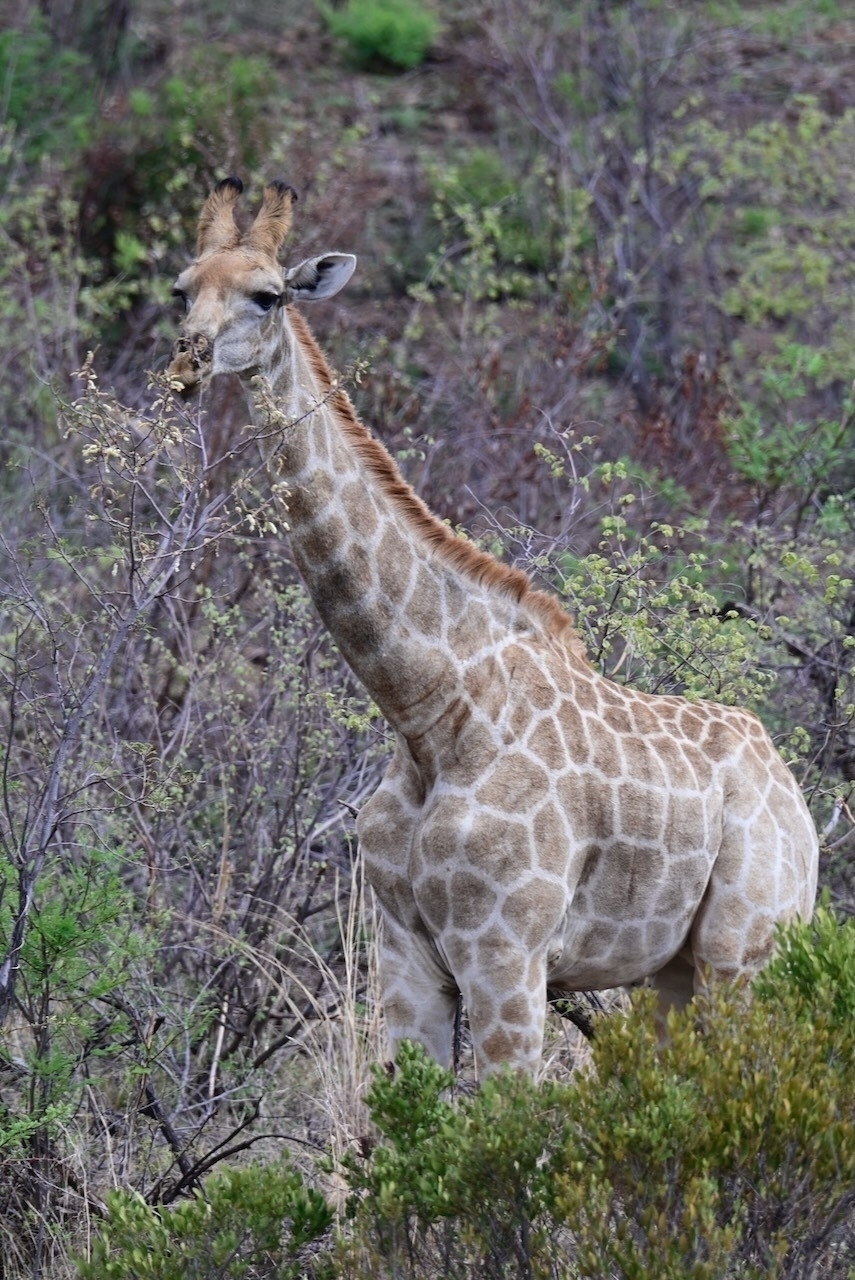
{"x": 408, "y": 603}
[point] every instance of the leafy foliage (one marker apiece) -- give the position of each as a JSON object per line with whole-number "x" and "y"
{"x": 48, "y": 91}
{"x": 455, "y": 1185}
{"x": 256, "y": 1221}
{"x": 730, "y": 1149}
{"x": 726, "y": 1143}
{"x": 815, "y": 961}
{"x": 395, "y": 32}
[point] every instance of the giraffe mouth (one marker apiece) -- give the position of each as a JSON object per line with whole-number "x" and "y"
{"x": 190, "y": 363}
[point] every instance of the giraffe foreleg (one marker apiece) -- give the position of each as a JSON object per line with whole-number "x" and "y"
{"x": 506, "y": 1003}
{"x": 419, "y": 1000}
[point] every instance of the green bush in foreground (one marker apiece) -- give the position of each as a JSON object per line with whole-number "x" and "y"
{"x": 455, "y": 1185}
{"x": 815, "y": 965}
{"x": 252, "y": 1222}
{"x": 728, "y": 1152}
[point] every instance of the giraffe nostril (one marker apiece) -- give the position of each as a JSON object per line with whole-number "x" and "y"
{"x": 192, "y": 359}
{"x": 197, "y": 346}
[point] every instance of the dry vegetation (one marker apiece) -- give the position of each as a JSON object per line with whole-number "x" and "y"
{"x": 603, "y": 317}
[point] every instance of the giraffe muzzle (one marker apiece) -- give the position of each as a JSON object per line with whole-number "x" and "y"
{"x": 191, "y": 361}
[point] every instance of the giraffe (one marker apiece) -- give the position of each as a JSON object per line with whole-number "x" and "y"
{"x": 538, "y": 826}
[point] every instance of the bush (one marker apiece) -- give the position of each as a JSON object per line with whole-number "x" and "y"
{"x": 815, "y": 962}
{"x": 728, "y": 1151}
{"x": 49, "y": 93}
{"x": 396, "y": 32}
{"x": 734, "y": 1145}
{"x": 164, "y": 716}
{"x": 253, "y": 1222}
{"x": 146, "y": 167}
{"x": 455, "y": 1190}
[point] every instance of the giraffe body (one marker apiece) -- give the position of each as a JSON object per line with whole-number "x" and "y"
{"x": 589, "y": 837}
{"x": 538, "y": 825}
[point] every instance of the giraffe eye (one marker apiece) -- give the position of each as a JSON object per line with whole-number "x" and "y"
{"x": 266, "y": 301}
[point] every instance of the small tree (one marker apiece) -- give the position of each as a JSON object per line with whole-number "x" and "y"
{"x": 172, "y": 850}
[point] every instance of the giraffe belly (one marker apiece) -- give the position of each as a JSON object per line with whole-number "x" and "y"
{"x": 631, "y": 913}
{"x": 610, "y": 956}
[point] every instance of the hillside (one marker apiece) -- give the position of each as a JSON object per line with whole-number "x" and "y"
{"x": 602, "y": 317}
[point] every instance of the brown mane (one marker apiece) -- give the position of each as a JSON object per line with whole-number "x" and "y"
{"x": 463, "y": 556}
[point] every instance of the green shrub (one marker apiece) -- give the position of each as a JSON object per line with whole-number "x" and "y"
{"x": 457, "y": 1189}
{"x": 396, "y": 32}
{"x": 49, "y": 92}
{"x": 647, "y": 607}
{"x": 481, "y": 193}
{"x": 728, "y": 1151}
{"x": 815, "y": 964}
{"x": 776, "y": 438}
{"x": 70, "y": 1030}
{"x": 258, "y": 1221}
{"x": 732, "y": 1144}
{"x": 144, "y": 170}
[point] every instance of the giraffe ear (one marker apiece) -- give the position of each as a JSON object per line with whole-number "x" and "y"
{"x": 217, "y": 226}
{"x": 273, "y": 221}
{"x": 318, "y": 278}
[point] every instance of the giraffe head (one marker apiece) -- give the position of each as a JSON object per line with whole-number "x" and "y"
{"x": 234, "y": 290}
